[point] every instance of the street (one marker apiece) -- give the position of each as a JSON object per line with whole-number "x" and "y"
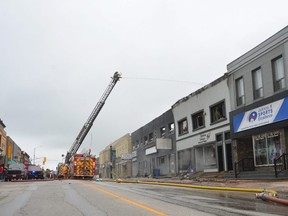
{"x": 76, "y": 198}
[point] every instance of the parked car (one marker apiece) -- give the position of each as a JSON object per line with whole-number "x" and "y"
{"x": 35, "y": 172}
{"x": 15, "y": 171}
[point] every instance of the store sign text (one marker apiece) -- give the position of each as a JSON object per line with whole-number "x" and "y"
{"x": 267, "y": 114}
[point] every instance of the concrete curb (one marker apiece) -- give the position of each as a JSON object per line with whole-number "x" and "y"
{"x": 239, "y": 189}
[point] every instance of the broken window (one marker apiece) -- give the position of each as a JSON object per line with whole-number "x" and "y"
{"x": 183, "y": 127}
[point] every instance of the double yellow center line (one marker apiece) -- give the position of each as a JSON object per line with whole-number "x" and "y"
{"x": 123, "y": 199}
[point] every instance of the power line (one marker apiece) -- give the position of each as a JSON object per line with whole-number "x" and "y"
{"x": 166, "y": 80}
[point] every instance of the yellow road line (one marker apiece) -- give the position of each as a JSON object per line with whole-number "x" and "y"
{"x": 124, "y": 199}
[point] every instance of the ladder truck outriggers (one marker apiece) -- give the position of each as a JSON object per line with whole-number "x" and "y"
{"x": 83, "y": 165}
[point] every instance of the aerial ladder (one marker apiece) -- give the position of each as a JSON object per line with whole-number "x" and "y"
{"x": 87, "y": 126}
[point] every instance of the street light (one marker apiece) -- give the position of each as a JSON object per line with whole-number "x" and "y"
{"x": 34, "y": 154}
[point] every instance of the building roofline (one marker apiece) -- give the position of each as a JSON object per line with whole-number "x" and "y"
{"x": 1, "y": 123}
{"x": 199, "y": 91}
{"x": 270, "y": 43}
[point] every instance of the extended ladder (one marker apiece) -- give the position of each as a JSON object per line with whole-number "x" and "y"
{"x": 87, "y": 126}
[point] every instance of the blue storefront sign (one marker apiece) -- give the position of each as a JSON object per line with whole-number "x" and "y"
{"x": 267, "y": 114}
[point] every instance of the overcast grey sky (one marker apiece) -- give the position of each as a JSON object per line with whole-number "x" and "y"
{"x": 57, "y": 57}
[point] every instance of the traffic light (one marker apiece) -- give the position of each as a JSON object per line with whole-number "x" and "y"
{"x": 44, "y": 160}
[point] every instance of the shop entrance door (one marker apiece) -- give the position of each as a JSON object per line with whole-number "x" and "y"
{"x": 220, "y": 158}
{"x": 229, "y": 157}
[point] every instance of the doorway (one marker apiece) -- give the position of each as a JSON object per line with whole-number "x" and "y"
{"x": 229, "y": 157}
{"x": 220, "y": 158}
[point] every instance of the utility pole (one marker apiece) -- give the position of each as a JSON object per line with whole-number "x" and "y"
{"x": 34, "y": 154}
{"x": 111, "y": 161}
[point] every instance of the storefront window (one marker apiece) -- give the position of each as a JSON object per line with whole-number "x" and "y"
{"x": 274, "y": 147}
{"x": 266, "y": 148}
{"x": 260, "y": 151}
{"x": 210, "y": 155}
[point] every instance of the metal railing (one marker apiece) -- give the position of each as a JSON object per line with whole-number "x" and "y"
{"x": 281, "y": 164}
{"x": 245, "y": 164}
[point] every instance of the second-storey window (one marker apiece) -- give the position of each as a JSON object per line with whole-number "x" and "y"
{"x": 278, "y": 73}
{"x": 145, "y": 140}
{"x": 162, "y": 131}
{"x": 183, "y": 127}
{"x": 171, "y": 128}
{"x": 198, "y": 120}
{"x": 218, "y": 112}
{"x": 240, "y": 97}
{"x": 150, "y": 139}
{"x": 257, "y": 83}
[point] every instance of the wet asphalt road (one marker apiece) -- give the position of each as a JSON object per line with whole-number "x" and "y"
{"x": 72, "y": 197}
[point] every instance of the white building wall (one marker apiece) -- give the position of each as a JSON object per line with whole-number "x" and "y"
{"x": 202, "y": 99}
{"x": 196, "y": 140}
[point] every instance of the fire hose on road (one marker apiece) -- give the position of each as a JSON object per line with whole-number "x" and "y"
{"x": 264, "y": 194}
{"x": 271, "y": 197}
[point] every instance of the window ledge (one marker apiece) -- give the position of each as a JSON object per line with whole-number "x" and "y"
{"x": 183, "y": 134}
{"x": 258, "y": 99}
{"x": 218, "y": 121}
{"x": 199, "y": 128}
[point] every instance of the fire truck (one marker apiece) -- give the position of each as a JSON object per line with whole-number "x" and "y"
{"x": 63, "y": 171}
{"x": 83, "y": 165}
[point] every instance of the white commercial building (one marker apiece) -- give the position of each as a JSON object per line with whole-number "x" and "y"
{"x": 202, "y": 129}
